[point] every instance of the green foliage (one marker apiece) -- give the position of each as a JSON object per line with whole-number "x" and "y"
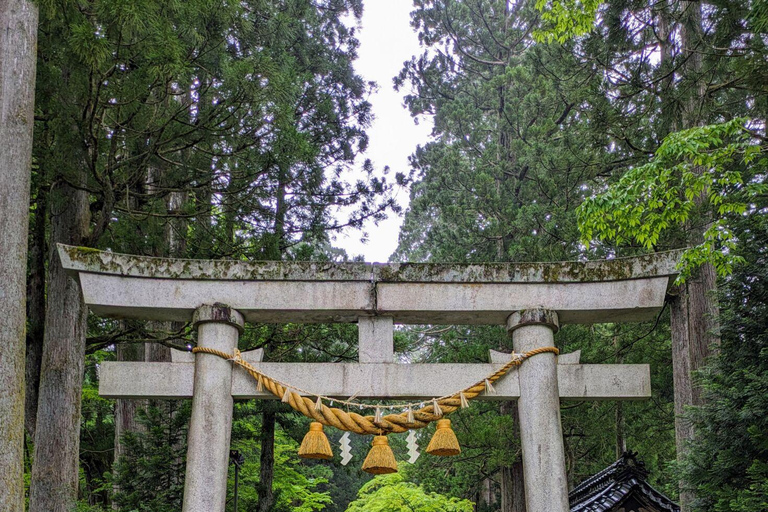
{"x": 727, "y": 463}
{"x": 502, "y": 178}
{"x": 566, "y": 19}
{"x": 392, "y": 493}
{"x": 296, "y": 484}
{"x": 712, "y": 173}
{"x": 520, "y": 134}
{"x": 97, "y": 431}
{"x": 150, "y": 476}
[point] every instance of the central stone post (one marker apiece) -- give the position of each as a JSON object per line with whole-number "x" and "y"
{"x": 546, "y": 484}
{"x": 205, "y": 486}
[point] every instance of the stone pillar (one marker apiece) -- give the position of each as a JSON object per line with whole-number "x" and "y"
{"x": 541, "y": 434}
{"x": 376, "y": 339}
{"x": 205, "y": 487}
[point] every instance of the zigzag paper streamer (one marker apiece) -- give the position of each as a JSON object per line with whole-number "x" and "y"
{"x": 346, "y": 453}
{"x": 413, "y": 448}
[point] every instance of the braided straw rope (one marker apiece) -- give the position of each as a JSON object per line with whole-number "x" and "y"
{"x": 352, "y": 422}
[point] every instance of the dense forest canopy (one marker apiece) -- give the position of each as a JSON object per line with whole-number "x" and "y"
{"x": 225, "y": 129}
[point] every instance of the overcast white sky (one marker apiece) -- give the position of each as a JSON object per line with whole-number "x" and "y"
{"x": 386, "y": 41}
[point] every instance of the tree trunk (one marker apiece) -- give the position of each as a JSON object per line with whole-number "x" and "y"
{"x": 694, "y": 325}
{"x": 173, "y": 244}
{"x": 273, "y": 250}
{"x": 484, "y": 497}
{"x": 621, "y": 437}
{"x": 55, "y": 468}
{"x": 35, "y": 310}
{"x": 18, "y": 57}
{"x": 125, "y": 409}
{"x": 266, "y": 471}
{"x": 512, "y": 488}
{"x": 693, "y": 309}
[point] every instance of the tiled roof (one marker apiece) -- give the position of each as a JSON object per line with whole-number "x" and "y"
{"x": 612, "y": 486}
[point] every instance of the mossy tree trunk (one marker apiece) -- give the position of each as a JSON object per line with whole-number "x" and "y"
{"x": 55, "y": 469}
{"x": 35, "y": 306}
{"x": 18, "y": 55}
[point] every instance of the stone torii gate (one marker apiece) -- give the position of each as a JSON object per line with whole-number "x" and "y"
{"x": 531, "y": 299}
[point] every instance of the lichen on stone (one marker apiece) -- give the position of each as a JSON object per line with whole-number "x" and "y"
{"x": 92, "y": 260}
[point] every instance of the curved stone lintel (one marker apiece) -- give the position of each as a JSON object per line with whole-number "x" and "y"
{"x": 219, "y": 313}
{"x": 121, "y": 286}
{"x": 535, "y": 316}
{"x": 81, "y": 259}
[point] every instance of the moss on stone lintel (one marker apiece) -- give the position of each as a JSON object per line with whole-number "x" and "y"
{"x": 83, "y": 259}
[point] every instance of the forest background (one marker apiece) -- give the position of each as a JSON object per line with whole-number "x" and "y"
{"x": 562, "y": 131}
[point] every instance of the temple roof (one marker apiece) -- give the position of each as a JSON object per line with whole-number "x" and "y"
{"x": 624, "y": 479}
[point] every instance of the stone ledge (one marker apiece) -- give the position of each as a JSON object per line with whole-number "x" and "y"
{"x": 372, "y": 380}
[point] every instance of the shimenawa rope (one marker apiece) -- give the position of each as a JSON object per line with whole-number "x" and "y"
{"x": 389, "y": 424}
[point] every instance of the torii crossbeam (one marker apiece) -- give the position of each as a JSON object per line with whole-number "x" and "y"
{"x": 531, "y": 299}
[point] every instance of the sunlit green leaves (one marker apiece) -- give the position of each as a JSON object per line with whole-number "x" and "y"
{"x": 566, "y": 19}
{"x": 391, "y": 493}
{"x": 717, "y": 171}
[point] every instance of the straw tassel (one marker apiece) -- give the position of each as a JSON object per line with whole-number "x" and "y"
{"x": 319, "y": 404}
{"x": 489, "y": 388}
{"x": 436, "y": 410}
{"x": 409, "y": 417}
{"x": 380, "y": 460}
{"x": 315, "y": 444}
{"x": 377, "y": 416}
{"x": 464, "y": 401}
{"x": 286, "y": 396}
{"x": 260, "y": 384}
{"x": 444, "y": 442}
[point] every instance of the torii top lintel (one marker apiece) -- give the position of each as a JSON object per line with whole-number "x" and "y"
{"x": 125, "y": 286}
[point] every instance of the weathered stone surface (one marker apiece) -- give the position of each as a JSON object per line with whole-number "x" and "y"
{"x": 395, "y": 381}
{"x": 218, "y": 313}
{"x": 491, "y": 303}
{"x": 123, "y": 286}
{"x": 533, "y": 317}
{"x": 347, "y": 301}
{"x": 259, "y": 301}
{"x": 79, "y": 259}
{"x": 376, "y": 340}
{"x": 541, "y": 434}
{"x": 210, "y": 427}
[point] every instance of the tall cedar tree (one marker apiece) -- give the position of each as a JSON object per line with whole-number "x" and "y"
{"x": 249, "y": 112}
{"x": 727, "y": 463}
{"x": 18, "y": 40}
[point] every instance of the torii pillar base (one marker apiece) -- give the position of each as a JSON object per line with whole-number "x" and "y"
{"x": 210, "y": 428}
{"x": 541, "y": 433}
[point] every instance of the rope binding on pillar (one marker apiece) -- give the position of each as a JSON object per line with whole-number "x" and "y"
{"x": 415, "y": 415}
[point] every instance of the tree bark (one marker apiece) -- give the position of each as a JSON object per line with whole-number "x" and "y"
{"x": 621, "y": 437}
{"x": 35, "y": 310}
{"x": 125, "y": 409}
{"x": 694, "y": 325}
{"x": 266, "y": 471}
{"x": 512, "y": 488}
{"x": 55, "y": 468}
{"x": 18, "y": 58}
{"x": 694, "y": 309}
